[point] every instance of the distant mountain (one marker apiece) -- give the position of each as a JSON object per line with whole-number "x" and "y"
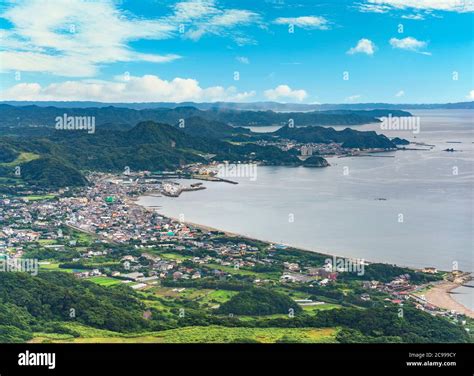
{"x": 35, "y": 117}
{"x": 60, "y": 156}
{"x": 197, "y": 126}
{"x": 252, "y": 106}
{"x": 349, "y": 138}
{"x": 165, "y": 138}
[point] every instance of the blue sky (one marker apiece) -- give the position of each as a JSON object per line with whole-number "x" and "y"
{"x": 398, "y": 51}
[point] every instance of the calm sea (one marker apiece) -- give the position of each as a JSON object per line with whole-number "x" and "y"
{"x": 412, "y": 208}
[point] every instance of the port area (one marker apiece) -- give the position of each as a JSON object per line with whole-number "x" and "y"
{"x": 173, "y": 189}
{"x": 213, "y": 179}
{"x": 164, "y": 182}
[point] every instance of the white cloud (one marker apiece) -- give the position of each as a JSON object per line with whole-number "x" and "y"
{"x": 373, "y": 8}
{"x": 284, "y": 92}
{"x": 200, "y": 17}
{"x": 75, "y": 38}
{"x": 243, "y": 59}
{"x": 471, "y": 95}
{"x": 409, "y": 44}
{"x": 191, "y": 10}
{"x": 353, "y": 98}
{"x": 21, "y": 92}
{"x": 416, "y": 17}
{"x": 400, "y": 93}
{"x": 305, "y": 22}
{"x": 365, "y": 46}
{"x": 460, "y": 6}
{"x": 148, "y": 88}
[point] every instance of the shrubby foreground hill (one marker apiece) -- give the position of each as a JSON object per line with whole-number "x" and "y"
{"x": 57, "y": 304}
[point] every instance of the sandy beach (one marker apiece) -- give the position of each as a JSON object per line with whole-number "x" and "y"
{"x": 440, "y": 296}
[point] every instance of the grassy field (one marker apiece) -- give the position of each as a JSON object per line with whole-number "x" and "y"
{"x": 22, "y": 158}
{"x": 104, "y": 281}
{"x": 196, "y": 334}
{"x": 38, "y": 197}
{"x": 54, "y": 266}
{"x": 321, "y": 307}
{"x": 47, "y": 241}
{"x": 82, "y": 237}
{"x": 219, "y": 296}
{"x": 194, "y": 294}
{"x": 188, "y": 293}
{"x": 245, "y": 272}
{"x": 173, "y": 256}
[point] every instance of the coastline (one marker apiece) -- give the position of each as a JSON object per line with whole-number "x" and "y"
{"x": 439, "y": 295}
{"x": 226, "y": 232}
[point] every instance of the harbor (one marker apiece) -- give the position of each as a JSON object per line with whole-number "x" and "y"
{"x": 173, "y": 189}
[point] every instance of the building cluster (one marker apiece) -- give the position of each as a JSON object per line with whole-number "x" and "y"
{"x": 153, "y": 247}
{"x": 24, "y": 221}
{"x": 295, "y": 273}
{"x": 309, "y": 149}
{"x": 401, "y": 290}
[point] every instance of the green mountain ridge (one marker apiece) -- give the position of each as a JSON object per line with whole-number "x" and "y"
{"x": 64, "y": 155}
{"x": 120, "y": 118}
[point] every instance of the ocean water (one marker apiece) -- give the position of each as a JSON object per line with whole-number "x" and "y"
{"x": 424, "y": 219}
{"x": 465, "y": 295}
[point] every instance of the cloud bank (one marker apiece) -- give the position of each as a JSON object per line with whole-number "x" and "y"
{"x": 148, "y": 88}
{"x": 284, "y": 92}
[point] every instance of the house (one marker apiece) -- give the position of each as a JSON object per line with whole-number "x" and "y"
{"x": 312, "y": 271}
{"x": 55, "y": 247}
{"x": 147, "y": 279}
{"x": 291, "y": 266}
{"x": 306, "y": 150}
{"x": 365, "y": 297}
{"x": 196, "y": 275}
{"x": 138, "y": 286}
{"x": 135, "y": 276}
{"x": 295, "y": 277}
{"x": 95, "y": 272}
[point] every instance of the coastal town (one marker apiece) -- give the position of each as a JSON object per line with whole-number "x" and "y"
{"x": 100, "y": 234}
{"x": 249, "y": 183}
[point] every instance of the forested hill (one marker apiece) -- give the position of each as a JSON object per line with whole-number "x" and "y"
{"x": 119, "y": 117}
{"x": 349, "y": 138}
{"x": 42, "y": 304}
{"x": 59, "y": 159}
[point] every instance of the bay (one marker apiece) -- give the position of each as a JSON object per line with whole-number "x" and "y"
{"x": 411, "y": 208}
